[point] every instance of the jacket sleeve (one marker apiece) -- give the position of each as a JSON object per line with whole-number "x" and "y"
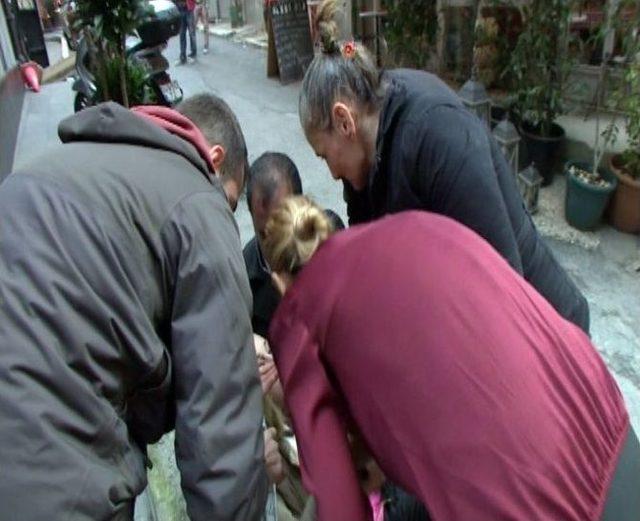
{"x": 219, "y": 444}
{"x": 328, "y": 472}
{"x": 452, "y": 170}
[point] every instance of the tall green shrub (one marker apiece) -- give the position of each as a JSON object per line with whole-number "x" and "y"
{"x": 106, "y": 24}
{"x": 411, "y": 29}
{"x": 627, "y": 93}
{"x": 540, "y": 63}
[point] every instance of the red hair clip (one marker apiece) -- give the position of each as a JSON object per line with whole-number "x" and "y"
{"x": 349, "y": 49}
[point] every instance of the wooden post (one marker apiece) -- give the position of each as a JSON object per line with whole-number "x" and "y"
{"x": 441, "y": 6}
{"x": 272, "y": 58}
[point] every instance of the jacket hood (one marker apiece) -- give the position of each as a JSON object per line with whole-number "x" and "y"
{"x": 154, "y": 127}
{"x": 179, "y": 125}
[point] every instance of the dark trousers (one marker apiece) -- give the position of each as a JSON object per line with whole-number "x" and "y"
{"x": 187, "y": 22}
{"x": 623, "y": 498}
{"x": 401, "y": 506}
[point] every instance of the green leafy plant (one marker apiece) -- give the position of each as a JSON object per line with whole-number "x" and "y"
{"x": 631, "y": 107}
{"x": 540, "y": 64}
{"x": 137, "y": 86}
{"x": 486, "y": 50}
{"x": 625, "y": 95}
{"x": 411, "y": 29}
{"x": 106, "y": 25}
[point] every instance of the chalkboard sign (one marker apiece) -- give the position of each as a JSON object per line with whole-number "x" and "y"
{"x": 292, "y": 37}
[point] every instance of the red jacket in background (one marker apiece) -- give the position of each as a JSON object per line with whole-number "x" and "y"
{"x": 189, "y": 4}
{"x": 469, "y": 389}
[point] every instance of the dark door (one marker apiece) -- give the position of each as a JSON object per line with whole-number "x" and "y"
{"x": 26, "y": 31}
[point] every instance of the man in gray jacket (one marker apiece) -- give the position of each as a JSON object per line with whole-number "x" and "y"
{"x": 125, "y": 313}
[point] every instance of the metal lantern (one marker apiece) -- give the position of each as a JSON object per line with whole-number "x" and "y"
{"x": 509, "y": 140}
{"x": 476, "y": 99}
{"x": 529, "y": 182}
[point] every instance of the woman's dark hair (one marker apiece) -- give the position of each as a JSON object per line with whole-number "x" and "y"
{"x": 343, "y": 71}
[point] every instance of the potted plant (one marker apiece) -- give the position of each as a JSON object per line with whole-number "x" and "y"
{"x": 411, "y": 31}
{"x": 589, "y": 186}
{"x": 106, "y": 25}
{"x": 486, "y": 50}
{"x": 539, "y": 68}
{"x": 588, "y": 192}
{"x": 625, "y": 205}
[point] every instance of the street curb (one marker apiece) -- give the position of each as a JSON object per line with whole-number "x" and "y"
{"x": 59, "y": 70}
{"x": 247, "y": 35}
{"x": 222, "y": 32}
{"x": 256, "y": 42}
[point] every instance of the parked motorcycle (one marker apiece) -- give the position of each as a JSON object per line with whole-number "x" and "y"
{"x": 144, "y": 49}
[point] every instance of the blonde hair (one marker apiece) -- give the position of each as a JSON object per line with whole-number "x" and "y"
{"x": 341, "y": 72}
{"x": 293, "y": 233}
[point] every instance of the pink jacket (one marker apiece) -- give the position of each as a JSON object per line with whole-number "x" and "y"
{"x": 469, "y": 389}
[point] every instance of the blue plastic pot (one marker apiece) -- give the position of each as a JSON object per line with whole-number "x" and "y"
{"x": 585, "y": 203}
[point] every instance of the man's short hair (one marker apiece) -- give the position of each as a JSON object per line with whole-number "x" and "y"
{"x": 268, "y": 172}
{"x": 219, "y": 124}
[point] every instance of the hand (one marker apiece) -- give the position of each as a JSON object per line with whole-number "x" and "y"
{"x": 268, "y": 371}
{"x": 272, "y": 458}
{"x": 268, "y": 375}
{"x": 373, "y": 477}
{"x": 261, "y": 346}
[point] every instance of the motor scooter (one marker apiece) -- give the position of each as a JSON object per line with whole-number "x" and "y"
{"x": 145, "y": 49}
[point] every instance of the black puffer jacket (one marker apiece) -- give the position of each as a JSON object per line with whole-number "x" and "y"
{"x": 433, "y": 154}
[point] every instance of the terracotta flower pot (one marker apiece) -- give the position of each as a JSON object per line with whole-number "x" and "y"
{"x": 624, "y": 212}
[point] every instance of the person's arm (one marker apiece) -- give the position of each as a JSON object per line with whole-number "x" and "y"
{"x": 219, "y": 439}
{"x": 448, "y": 160}
{"x": 328, "y": 472}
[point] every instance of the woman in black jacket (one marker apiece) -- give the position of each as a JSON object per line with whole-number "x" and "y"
{"x": 402, "y": 140}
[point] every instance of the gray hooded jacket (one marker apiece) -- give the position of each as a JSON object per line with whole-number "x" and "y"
{"x": 125, "y": 313}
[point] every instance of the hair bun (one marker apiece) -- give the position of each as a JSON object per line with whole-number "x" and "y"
{"x": 293, "y": 233}
{"x": 309, "y": 224}
{"x": 327, "y": 27}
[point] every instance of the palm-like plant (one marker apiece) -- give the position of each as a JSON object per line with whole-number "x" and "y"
{"x": 411, "y": 29}
{"x": 540, "y": 64}
{"x": 106, "y": 25}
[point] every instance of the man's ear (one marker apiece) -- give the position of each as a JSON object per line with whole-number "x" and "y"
{"x": 217, "y": 154}
{"x": 344, "y": 120}
{"x": 232, "y": 192}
